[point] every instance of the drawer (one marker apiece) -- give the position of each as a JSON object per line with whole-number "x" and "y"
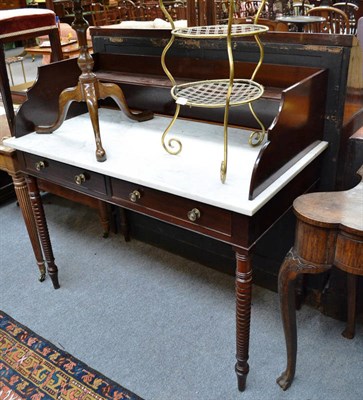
{"x": 65, "y": 175}
{"x": 171, "y": 208}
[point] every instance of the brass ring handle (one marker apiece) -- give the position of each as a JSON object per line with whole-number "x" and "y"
{"x": 193, "y": 214}
{"x": 134, "y": 196}
{"x": 79, "y": 179}
{"x": 39, "y": 165}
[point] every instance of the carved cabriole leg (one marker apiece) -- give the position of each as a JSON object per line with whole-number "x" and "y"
{"x": 41, "y": 224}
{"x": 65, "y": 100}
{"x": 286, "y": 288}
{"x": 21, "y": 192}
{"x": 115, "y": 92}
{"x": 291, "y": 268}
{"x": 349, "y": 330}
{"x": 90, "y": 94}
{"x": 299, "y": 291}
{"x": 243, "y": 315}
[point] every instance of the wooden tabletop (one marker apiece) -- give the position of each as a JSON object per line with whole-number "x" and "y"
{"x": 327, "y": 209}
{"x": 67, "y": 47}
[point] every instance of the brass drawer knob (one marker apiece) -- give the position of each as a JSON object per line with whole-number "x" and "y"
{"x": 134, "y": 196}
{"x": 193, "y": 214}
{"x": 79, "y": 179}
{"x": 39, "y": 165}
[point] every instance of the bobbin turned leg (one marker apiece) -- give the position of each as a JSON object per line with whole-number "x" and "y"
{"x": 243, "y": 315}
{"x": 43, "y": 233}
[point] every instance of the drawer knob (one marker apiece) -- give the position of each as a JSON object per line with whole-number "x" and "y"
{"x": 79, "y": 179}
{"x": 134, "y": 196}
{"x": 193, "y": 214}
{"x": 39, "y": 165}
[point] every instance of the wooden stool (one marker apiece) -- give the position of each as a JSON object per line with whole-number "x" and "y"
{"x": 21, "y": 24}
{"x": 329, "y": 232}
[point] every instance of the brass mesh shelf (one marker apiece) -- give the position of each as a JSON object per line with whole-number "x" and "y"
{"x": 216, "y": 93}
{"x": 219, "y": 31}
{"x": 213, "y": 93}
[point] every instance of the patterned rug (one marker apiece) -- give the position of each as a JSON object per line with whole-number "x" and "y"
{"x": 32, "y": 368}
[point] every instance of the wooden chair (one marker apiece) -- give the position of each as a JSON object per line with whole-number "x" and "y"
{"x": 249, "y": 8}
{"x": 351, "y": 10}
{"x": 62, "y": 9}
{"x": 104, "y": 15}
{"x": 272, "y": 25}
{"x": 152, "y": 10}
{"x": 336, "y": 20}
{"x": 301, "y": 8}
{"x": 178, "y": 10}
{"x": 99, "y": 17}
{"x": 127, "y": 10}
{"x": 20, "y": 24}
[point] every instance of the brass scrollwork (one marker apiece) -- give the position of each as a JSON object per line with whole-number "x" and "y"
{"x": 218, "y": 92}
{"x": 173, "y": 146}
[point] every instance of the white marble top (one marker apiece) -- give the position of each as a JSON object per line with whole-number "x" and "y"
{"x": 157, "y": 23}
{"x": 135, "y": 153}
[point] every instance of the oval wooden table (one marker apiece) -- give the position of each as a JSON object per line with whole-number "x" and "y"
{"x": 329, "y": 232}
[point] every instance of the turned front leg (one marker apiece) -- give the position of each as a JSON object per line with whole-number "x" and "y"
{"x": 41, "y": 223}
{"x": 22, "y": 196}
{"x": 243, "y": 316}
